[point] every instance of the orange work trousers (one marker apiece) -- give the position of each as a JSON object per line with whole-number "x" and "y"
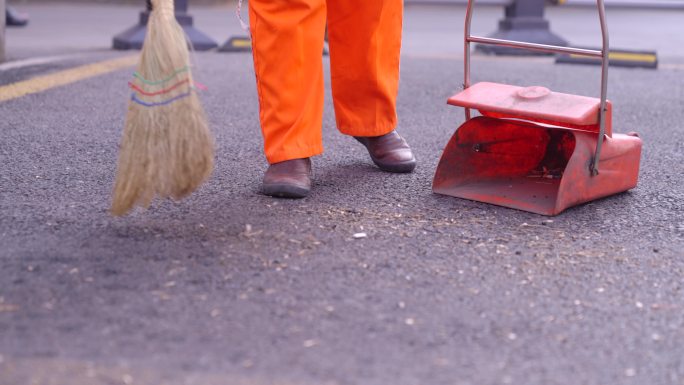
{"x": 364, "y": 38}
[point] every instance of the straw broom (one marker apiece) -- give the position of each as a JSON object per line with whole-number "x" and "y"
{"x": 166, "y": 149}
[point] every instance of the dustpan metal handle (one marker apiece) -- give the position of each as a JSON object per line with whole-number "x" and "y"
{"x": 466, "y": 51}
{"x": 603, "y": 54}
{"x": 604, "y": 87}
{"x": 536, "y": 47}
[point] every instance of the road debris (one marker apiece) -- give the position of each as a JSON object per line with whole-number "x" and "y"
{"x": 8, "y": 308}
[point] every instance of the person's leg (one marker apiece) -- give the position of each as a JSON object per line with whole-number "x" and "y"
{"x": 364, "y": 38}
{"x": 287, "y": 38}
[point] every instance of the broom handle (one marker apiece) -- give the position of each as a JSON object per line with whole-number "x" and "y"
{"x": 164, "y": 7}
{"x": 602, "y": 54}
{"x": 181, "y": 5}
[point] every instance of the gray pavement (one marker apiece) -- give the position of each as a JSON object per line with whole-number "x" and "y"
{"x": 232, "y": 287}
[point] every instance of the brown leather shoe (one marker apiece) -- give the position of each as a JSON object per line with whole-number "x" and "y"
{"x": 288, "y": 179}
{"x": 389, "y": 152}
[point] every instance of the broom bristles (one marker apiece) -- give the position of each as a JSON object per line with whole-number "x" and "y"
{"x": 166, "y": 149}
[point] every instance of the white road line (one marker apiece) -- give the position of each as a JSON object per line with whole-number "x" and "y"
{"x": 36, "y": 61}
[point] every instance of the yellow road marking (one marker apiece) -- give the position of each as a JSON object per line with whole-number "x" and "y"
{"x": 61, "y": 78}
{"x": 644, "y": 57}
{"x": 242, "y": 43}
{"x": 627, "y": 56}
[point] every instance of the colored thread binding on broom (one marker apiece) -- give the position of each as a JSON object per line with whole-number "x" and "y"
{"x": 138, "y": 89}
{"x": 164, "y": 91}
{"x": 135, "y": 87}
{"x": 143, "y": 92}
{"x": 143, "y": 103}
{"x": 165, "y": 80}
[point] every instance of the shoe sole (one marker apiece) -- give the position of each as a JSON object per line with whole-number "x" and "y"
{"x": 399, "y": 168}
{"x": 285, "y": 191}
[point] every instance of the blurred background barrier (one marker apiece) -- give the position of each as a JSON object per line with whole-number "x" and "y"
{"x": 133, "y": 37}
{"x": 14, "y": 18}
{"x": 523, "y": 21}
{"x": 430, "y": 29}
{"x": 237, "y": 44}
{"x": 665, "y": 4}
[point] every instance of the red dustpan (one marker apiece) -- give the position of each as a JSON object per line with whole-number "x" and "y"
{"x": 533, "y": 149}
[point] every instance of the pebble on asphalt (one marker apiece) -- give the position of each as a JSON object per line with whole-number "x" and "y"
{"x": 8, "y": 308}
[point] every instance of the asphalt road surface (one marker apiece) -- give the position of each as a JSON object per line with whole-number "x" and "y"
{"x": 233, "y": 287}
